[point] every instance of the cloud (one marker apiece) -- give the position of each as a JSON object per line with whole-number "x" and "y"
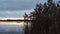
{"x": 14, "y": 14}
{"x": 16, "y": 8}
{"x": 18, "y": 4}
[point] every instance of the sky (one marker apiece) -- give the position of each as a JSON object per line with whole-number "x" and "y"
{"x": 17, "y": 8}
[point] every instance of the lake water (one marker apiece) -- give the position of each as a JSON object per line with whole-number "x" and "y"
{"x": 12, "y": 27}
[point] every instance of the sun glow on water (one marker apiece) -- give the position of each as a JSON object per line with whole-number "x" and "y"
{"x": 12, "y": 23}
{"x": 15, "y": 23}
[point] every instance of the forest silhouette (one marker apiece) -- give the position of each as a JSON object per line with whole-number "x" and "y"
{"x": 45, "y": 18}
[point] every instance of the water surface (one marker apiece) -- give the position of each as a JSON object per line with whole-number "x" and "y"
{"x": 11, "y": 28}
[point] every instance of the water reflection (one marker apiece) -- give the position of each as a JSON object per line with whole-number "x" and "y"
{"x": 12, "y": 27}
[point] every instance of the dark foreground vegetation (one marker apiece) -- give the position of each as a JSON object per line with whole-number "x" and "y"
{"x": 46, "y": 18}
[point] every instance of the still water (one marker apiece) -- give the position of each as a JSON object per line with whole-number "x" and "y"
{"x": 12, "y": 27}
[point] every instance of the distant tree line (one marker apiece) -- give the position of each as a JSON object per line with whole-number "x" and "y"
{"x": 46, "y": 18}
